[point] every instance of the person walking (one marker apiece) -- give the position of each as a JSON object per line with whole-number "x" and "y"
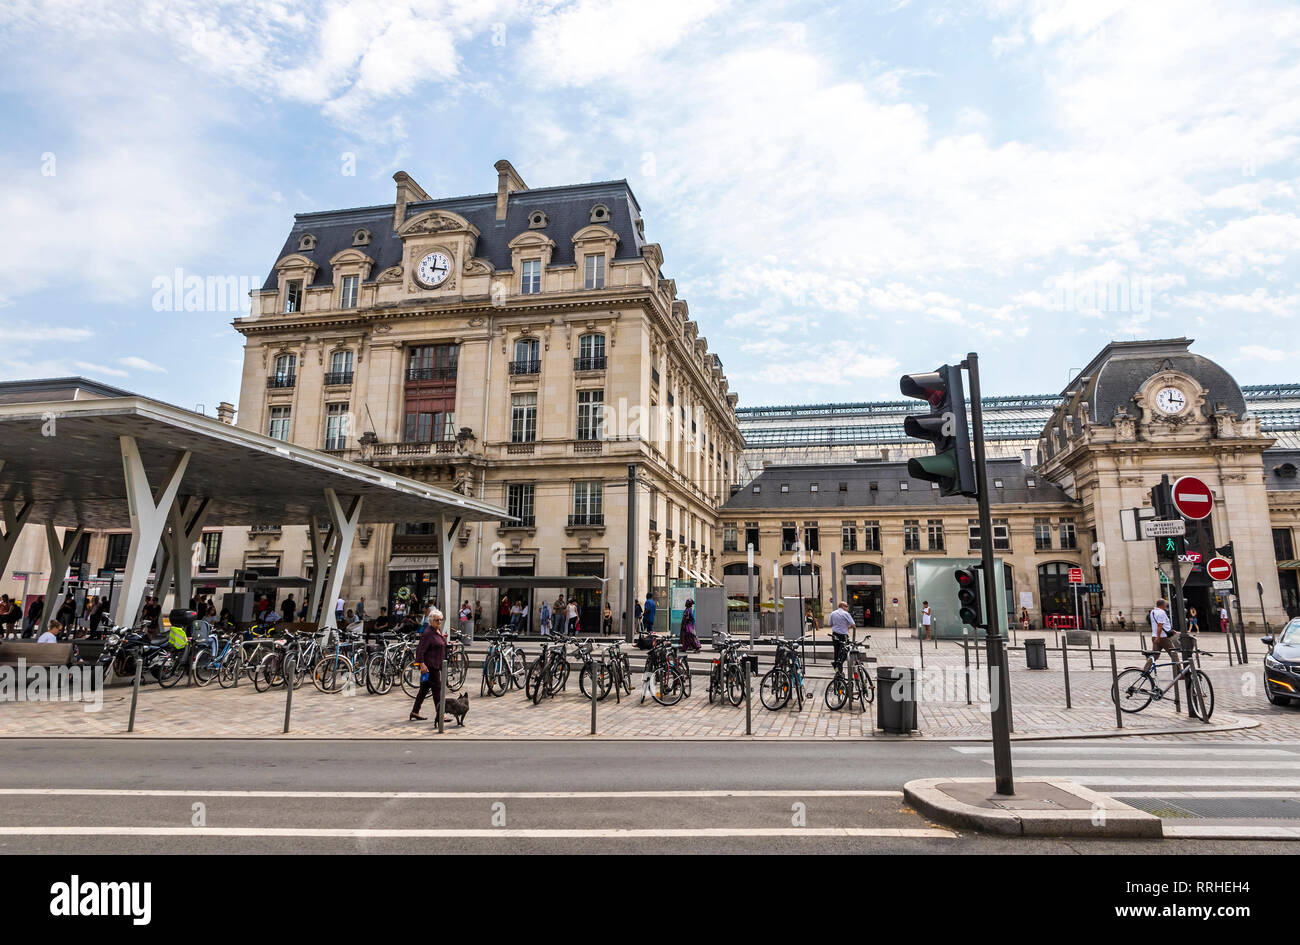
{"x": 571, "y": 613}
{"x": 34, "y": 611}
{"x": 690, "y": 643}
{"x": 67, "y": 613}
{"x": 466, "y": 621}
{"x": 841, "y": 622}
{"x": 607, "y": 621}
{"x": 648, "y": 614}
{"x": 926, "y": 618}
{"x": 339, "y": 605}
{"x": 478, "y": 616}
{"x": 1193, "y": 622}
{"x": 361, "y": 609}
{"x": 429, "y": 656}
{"x": 1223, "y": 618}
{"x": 515, "y": 613}
{"x": 546, "y": 618}
{"x": 1024, "y": 620}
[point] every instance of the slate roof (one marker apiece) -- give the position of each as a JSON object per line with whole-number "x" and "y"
{"x": 1274, "y": 463}
{"x": 888, "y": 476}
{"x": 567, "y": 209}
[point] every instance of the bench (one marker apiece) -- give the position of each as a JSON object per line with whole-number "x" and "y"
{"x": 36, "y": 654}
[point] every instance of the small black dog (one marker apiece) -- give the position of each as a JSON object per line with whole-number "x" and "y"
{"x": 458, "y": 708}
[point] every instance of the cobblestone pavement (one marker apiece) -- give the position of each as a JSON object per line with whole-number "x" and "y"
{"x": 1038, "y": 699}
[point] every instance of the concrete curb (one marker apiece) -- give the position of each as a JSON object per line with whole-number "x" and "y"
{"x": 1097, "y": 815}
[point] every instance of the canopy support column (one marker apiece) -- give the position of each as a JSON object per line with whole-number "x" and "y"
{"x": 14, "y": 520}
{"x": 185, "y": 521}
{"x": 61, "y": 553}
{"x": 148, "y": 509}
{"x": 343, "y": 524}
{"x": 322, "y": 550}
{"x": 446, "y": 538}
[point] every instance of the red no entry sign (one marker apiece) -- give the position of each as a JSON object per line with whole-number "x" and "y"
{"x": 1220, "y": 569}
{"x": 1192, "y": 497}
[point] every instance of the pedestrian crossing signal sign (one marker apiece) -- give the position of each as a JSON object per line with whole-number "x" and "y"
{"x": 1171, "y": 546}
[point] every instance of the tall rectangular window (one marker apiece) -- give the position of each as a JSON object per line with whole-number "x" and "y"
{"x": 519, "y": 502}
{"x": 934, "y": 534}
{"x": 591, "y": 353}
{"x": 811, "y": 537}
{"x": 912, "y": 534}
{"x": 278, "y": 429}
{"x": 730, "y": 536}
{"x": 588, "y": 502}
{"x": 1068, "y": 539}
{"x": 1002, "y": 534}
{"x": 429, "y": 411}
{"x": 530, "y": 279}
{"x": 591, "y": 414}
{"x": 119, "y": 546}
{"x": 293, "y": 295}
{"x": 211, "y": 551}
{"x": 527, "y": 359}
{"x": 849, "y": 536}
{"x": 751, "y": 535}
{"x": 348, "y": 292}
{"x": 1042, "y": 534}
{"x": 1283, "y": 547}
{"x": 871, "y": 536}
{"x": 594, "y": 271}
{"x": 523, "y": 418}
{"x": 789, "y": 536}
{"x": 336, "y": 426}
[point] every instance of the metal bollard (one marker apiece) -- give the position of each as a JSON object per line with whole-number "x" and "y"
{"x": 895, "y": 634}
{"x": 593, "y": 696}
{"x": 290, "y": 671}
{"x": 966, "y": 656}
{"x": 1065, "y": 663}
{"x": 749, "y": 718}
{"x": 442, "y": 700}
{"x": 1091, "y": 664}
{"x": 1114, "y": 687}
{"x": 920, "y": 647}
{"x": 135, "y": 694}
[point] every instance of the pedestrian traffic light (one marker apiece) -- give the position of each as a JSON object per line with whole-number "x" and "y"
{"x": 945, "y": 426}
{"x": 1171, "y": 546}
{"x": 968, "y": 596}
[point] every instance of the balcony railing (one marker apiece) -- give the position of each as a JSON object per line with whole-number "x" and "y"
{"x": 588, "y": 519}
{"x": 520, "y": 448}
{"x": 525, "y": 521}
{"x": 415, "y": 448}
{"x": 338, "y": 378}
{"x": 593, "y": 363}
{"x": 280, "y": 381}
{"x": 431, "y": 373}
{"x": 588, "y": 446}
{"x": 525, "y": 367}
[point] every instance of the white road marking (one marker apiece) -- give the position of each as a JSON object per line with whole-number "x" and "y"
{"x": 1175, "y": 764}
{"x": 1186, "y": 782}
{"x": 1191, "y": 795}
{"x": 1129, "y": 749}
{"x": 436, "y": 795}
{"x": 1229, "y": 832}
{"x": 502, "y": 832}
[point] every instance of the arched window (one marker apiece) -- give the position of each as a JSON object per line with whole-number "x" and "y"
{"x": 286, "y": 366}
{"x": 306, "y": 242}
{"x": 361, "y": 237}
{"x": 340, "y": 367}
{"x": 537, "y": 220}
{"x": 1054, "y": 587}
{"x": 600, "y": 213}
{"x": 732, "y": 570}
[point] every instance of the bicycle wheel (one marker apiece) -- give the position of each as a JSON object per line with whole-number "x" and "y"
{"x": 534, "y": 681}
{"x": 204, "y": 670}
{"x": 837, "y": 693}
{"x": 601, "y": 672}
{"x": 735, "y": 684}
{"x": 411, "y": 679}
{"x": 866, "y": 688}
{"x": 518, "y": 668}
{"x": 1132, "y": 690}
{"x": 1202, "y": 696}
{"x": 232, "y": 667}
{"x": 684, "y": 667}
{"x": 557, "y": 676}
{"x": 667, "y": 687}
{"x": 497, "y": 676}
{"x": 456, "y": 669}
{"x": 625, "y": 674}
{"x": 172, "y": 669}
{"x": 715, "y": 684}
{"x": 267, "y": 674}
{"x": 331, "y": 674}
{"x": 775, "y": 689}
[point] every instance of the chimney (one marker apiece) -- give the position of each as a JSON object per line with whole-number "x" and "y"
{"x": 508, "y": 181}
{"x": 407, "y": 191}
{"x": 226, "y": 412}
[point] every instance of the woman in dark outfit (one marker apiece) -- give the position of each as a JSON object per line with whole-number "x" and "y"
{"x": 429, "y": 655}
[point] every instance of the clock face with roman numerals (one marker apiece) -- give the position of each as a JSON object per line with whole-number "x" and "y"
{"x": 433, "y": 270}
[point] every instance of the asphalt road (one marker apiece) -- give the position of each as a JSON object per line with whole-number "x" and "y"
{"x": 255, "y": 796}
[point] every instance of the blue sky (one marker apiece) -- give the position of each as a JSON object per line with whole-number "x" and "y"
{"x": 842, "y": 193}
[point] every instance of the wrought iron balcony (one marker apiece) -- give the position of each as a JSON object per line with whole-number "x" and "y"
{"x": 593, "y": 363}
{"x": 280, "y": 381}
{"x": 431, "y": 373}
{"x": 588, "y": 519}
{"x": 338, "y": 378}
{"x": 533, "y": 366}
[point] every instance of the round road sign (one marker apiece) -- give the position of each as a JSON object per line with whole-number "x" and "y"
{"x": 1192, "y": 497}
{"x": 1220, "y": 569}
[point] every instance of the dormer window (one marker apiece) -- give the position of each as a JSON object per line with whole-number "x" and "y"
{"x": 1286, "y": 471}
{"x": 361, "y": 237}
{"x": 537, "y": 220}
{"x": 600, "y": 213}
{"x": 306, "y": 242}
{"x": 293, "y": 296}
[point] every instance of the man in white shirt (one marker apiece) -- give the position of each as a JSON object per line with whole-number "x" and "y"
{"x": 1162, "y": 630}
{"x": 926, "y": 618}
{"x": 841, "y": 622}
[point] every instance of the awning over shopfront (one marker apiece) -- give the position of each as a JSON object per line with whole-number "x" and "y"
{"x": 528, "y": 582}
{"x": 1291, "y": 565}
{"x": 117, "y": 462}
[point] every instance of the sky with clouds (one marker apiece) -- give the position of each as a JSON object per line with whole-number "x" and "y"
{"x": 842, "y": 192}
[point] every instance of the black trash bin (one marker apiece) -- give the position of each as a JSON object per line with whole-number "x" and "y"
{"x": 1036, "y": 653}
{"x": 895, "y": 702}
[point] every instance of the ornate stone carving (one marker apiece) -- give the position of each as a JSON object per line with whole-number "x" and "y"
{"x": 433, "y": 222}
{"x": 391, "y": 274}
{"x": 477, "y": 267}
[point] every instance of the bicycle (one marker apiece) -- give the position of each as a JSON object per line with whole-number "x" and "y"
{"x": 619, "y": 669}
{"x": 852, "y": 680}
{"x": 549, "y": 674}
{"x": 222, "y": 662}
{"x": 593, "y": 670}
{"x": 504, "y": 666}
{"x": 784, "y": 679}
{"x": 1135, "y": 688}
{"x": 662, "y": 678}
{"x": 726, "y": 673}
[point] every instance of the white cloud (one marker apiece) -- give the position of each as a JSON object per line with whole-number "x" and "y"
{"x": 89, "y": 368}
{"x": 140, "y": 364}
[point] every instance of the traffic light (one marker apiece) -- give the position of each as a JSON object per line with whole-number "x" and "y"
{"x": 945, "y": 426}
{"x": 968, "y": 596}
{"x": 1171, "y": 546}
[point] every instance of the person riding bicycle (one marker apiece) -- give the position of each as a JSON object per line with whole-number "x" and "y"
{"x": 1162, "y": 634}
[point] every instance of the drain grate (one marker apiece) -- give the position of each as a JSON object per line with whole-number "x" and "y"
{"x": 1226, "y": 808}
